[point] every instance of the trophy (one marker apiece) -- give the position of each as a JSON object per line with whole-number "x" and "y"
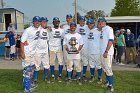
{"x": 73, "y": 49}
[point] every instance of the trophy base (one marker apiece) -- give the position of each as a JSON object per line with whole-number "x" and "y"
{"x": 72, "y": 52}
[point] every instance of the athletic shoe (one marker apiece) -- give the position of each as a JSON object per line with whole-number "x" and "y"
{"x": 110, "y": 89}
{"x": 84, "y": 78}
{"x": 91, "y": 79}
{"x": 99, "y": 81}
{"x": 47, "y": 80}
{"x": 59, "y": 79}
{"x": 121, "y": 64}
{"x": 79, "y": 82}
{"x": 53, "y": 79}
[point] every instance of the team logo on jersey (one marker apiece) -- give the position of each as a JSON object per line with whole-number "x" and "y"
{"x": 44, "y": 33}
{"x": 37, "y": 35}
{"x": 57, "y": 34}
{"x": 44, "y": 36}
{"x": 82, "y": 31}
{"x": 67, "y": 31}
{"x": 90, "y": 36}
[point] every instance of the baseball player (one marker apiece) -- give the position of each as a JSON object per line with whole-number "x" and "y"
{"x": 73, "y": 59}
{"x": 66, "y": 28}
{"x": 107, "y": 50}
{"x": 93, "y": 49}
{"x": 55, "y": 48}
{"x": 81, "y": 29}
{"x": 29, "y": 41}
{"x": 41, "y": 55}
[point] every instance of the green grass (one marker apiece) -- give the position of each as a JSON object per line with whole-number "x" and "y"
{"x": 124, "y": 82}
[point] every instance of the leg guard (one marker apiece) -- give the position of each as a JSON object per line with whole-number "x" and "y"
{"x": 27, "y": 78}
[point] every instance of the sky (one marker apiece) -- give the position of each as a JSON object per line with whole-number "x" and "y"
{"x": 57, "y": 8}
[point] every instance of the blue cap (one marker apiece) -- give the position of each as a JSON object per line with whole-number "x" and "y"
{"x": 56, "y": 19}
{"x": 36, "y": 18}
{"x": 43, "y": 18}
{"x": 68, "y": 15}
{"x": 82, "y": 18}
{"x": 101, "y": 19}
{"x": 90, "y": 21}
{"x": 73, "y": 23}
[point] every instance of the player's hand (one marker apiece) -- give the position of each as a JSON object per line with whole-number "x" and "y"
{"x": 67, "y": 50}
{"x": 78, "y": 52}
{"x": 105, "y": 55}
{"x": 26, "y": 43}
{"x": 22, "y": 55}
{"x": 49, "y": 27}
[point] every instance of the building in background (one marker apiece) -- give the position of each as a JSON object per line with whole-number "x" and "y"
{"x": 126, "y": 22}
{"x": 13, "y": 16}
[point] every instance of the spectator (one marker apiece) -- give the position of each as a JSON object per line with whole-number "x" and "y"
{"x": 7, "y": 47}
{"x": 130, "y": 47}
{"x": 120, "y": 47}
{"x": 115, "y": 43}
{"x": 12, "y": 41}
{"x": 138, "y": 53}
{"x": 18, "y": 46}
{"x": 10, "y": 28}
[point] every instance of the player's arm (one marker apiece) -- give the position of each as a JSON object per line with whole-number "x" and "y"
{"x": 81, "y": 44}
{"x": 22, "y": 44}
{"x": 110, "y": 42}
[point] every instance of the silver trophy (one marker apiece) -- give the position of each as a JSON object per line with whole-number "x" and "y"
{"x": 73, "y": 49}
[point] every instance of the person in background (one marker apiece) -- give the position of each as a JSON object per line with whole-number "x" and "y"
{"x": 121, "y": 46}
{"x": 130, "y": 47}
{"x": 115, "y": 44}
{"x": 138, "y": 53}
{"x": 7, "y": 47}
{"x": 12, "y": 41}
{"x": 18, "y": 46}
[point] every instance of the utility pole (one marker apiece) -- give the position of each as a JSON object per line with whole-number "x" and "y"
{"x": 75, "y": 7}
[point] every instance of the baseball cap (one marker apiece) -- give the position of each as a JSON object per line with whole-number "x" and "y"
{"x": 82, "y": 18}
{"x": 73, "y": 23}
{"x": 128, "y": 30}
{"x": 56, "y": 19}
{"x": 122, "y": 30}
{"x": 68, "y": 15}
{"x": 43, "y": 18}
{"x": 90, "y": 21}
{"x": 101, "y": 19}
{"x": 36, "y": 18}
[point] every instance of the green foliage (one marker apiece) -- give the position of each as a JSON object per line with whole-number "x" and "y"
{"x": 26, "y": 26}
{"x": 93, "y": 14}
{"x": 126, "y": 8}
{"x": 124, "y": 82}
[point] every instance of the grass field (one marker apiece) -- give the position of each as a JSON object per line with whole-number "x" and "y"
{"x": 124, "y": 82}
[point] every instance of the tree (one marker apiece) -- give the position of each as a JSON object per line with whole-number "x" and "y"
{"x": 126, "y": 8}
{"x": 93, "y": 14}
{"x": 78, "y": 14}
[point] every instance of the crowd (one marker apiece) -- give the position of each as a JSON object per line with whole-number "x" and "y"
{"x": 125, "y": 43}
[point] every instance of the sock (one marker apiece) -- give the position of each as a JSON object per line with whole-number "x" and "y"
{"x": 10, "y": 56}
{"x": 46, "y": 73}
{"x": 35, "y": 75}
{"x": 99, "y": 73}
{"x": 52, "y": 70}
{"x": 84, "y": 70}
{"x": 69, "y": 74}
{"x": 60, "y": 70}
{"x": 79, "y": 75}
{"x": 110, "y": 80}
{"x": 27, "y": 83}
{"x": 92, "y": 71}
